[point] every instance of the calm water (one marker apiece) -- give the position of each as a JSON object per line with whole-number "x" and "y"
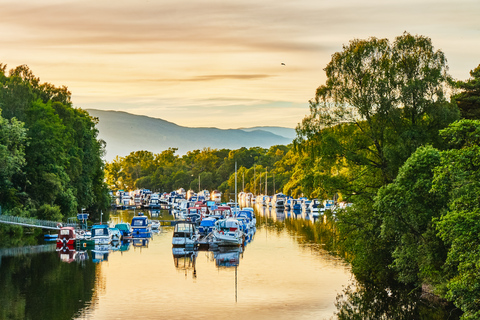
{"x": 285, "y": 272}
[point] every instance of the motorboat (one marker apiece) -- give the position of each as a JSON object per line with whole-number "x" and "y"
{"x": 207, "y": 225}
{"x": 228, "y": 232}
{"x": 314, "y": 207}
{"x": 216, "y": 196}
{"x": 125, "y": 229}
{"x": 184, "y": 234}
{"x": 221, "y": 212}
{"x": 141, "y": 227}
{"x": 115, "y": 234}
{"x": 155, "y": 224}
{"x": 66, "y": 237}
{"x": 101, "y": 234}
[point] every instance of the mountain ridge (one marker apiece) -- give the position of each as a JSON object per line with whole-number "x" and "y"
{"x": 125, "y": 132}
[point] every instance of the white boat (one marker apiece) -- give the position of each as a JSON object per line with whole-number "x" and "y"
{"x": 228, "y": 232}
{"x": 216, "y": 196}
{"x": 101, "y": 234}
{"x": 155, "y": 224}
{"x": 184, "y": 234}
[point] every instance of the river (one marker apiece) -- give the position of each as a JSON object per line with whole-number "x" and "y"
{"x": 287, "y": 271}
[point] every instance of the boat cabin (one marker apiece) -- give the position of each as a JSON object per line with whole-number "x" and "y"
{"x": 66, "y": 237}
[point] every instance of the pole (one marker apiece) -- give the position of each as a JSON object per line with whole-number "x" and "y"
{"x": 254, "y": 180}
{"x": 266, "y": 178}
{"x": 260, "y": 185}
{"x": 235, "y": 187}
{"x": 199, "y": 183}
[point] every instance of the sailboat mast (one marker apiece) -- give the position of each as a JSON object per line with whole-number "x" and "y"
{"x": 235, "y": 186}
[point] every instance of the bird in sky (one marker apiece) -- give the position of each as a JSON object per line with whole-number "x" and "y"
{"x": 282, "y": 64}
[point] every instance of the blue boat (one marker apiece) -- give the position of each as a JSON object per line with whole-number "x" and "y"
{"x": 125, "y": 230}
{"x": 206, "y": 226}
{"x": 101, "y": 234}
{"x": 141, "y": 227}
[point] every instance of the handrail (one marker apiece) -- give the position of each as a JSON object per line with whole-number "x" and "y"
{"x": 36, "y": 223}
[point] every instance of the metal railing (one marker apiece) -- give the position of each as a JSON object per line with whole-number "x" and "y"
{"x": 35, "y": 223}
{"x": 19, "y": 251}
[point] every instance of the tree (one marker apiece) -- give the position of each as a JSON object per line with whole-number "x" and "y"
{"x": 380, "y": 102}
{"x": 408, "y": 208}
{"x": 12, "y": 157}
{"x": 458, "y": 178}
{"x": 468, "y": 101}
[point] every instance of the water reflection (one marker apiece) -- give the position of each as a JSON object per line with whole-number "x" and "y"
{"x": 358, "y": 300}
{"x": 397, "y": 302}
{"x": 184, "y": 260}
{"x": 294, "y": 269}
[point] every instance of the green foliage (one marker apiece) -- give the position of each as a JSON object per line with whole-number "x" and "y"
{"x": 407, "y": 209}
{"x": 203, "y": 169}
{"x": 12, "y": 157}
{"x": 48, "y": 212}
{"x": 380, "y": 103}
{"x": 54, "y": 157}
{"x": 468, "y": 100}
{"x": 458, "y": 178}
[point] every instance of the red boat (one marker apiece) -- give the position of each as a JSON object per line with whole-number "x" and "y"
{"x": 66, "y": 237}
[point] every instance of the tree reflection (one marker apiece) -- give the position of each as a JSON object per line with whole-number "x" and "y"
{"x": 361, "y": 300}
{"x": 370, "y": 301}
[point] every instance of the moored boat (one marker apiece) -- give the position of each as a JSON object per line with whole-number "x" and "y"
{"x": 228, "y": 232}
{"x": 184, "y": 234}
{"x": 141, "y": 227}
{"x": 101, "y": 234}
{"x": 66, "y": 237}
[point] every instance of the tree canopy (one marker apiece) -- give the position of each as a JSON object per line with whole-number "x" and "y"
{"x": 50, "y": 151}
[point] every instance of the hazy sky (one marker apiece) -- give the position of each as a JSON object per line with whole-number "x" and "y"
{"x": 215, "y": 63}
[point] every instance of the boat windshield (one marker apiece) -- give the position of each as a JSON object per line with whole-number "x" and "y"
{"x": 184, "y": 227}
{"x": 98, "y": 232}
{"x": 138, "y": 222}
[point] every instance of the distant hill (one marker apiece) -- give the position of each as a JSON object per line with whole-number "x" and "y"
{"x": 288, "y": 133}
{"x": 124, "y": 132}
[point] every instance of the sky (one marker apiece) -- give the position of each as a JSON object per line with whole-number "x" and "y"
{"x": 205, "y": 63}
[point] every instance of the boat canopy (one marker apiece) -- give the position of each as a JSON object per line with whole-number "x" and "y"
{"x": 208, "y": 222}
{"x": 123, "y": 226}
{"x": 228, "y": 223}
{"x": 101, "y": 230}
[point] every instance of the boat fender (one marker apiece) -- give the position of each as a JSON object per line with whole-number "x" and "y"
{"x": 59, "y": 225}
{"x": 84, "y": 244}
{"x": 221, "y": 232}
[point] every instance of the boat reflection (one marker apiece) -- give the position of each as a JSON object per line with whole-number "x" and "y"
{"x": 227, "y": 257}
{"x": 184, "y": 259}
{"x": 138, "y": 242}
{"x": 67, "y": 254}
{"x": 100, "y": 253}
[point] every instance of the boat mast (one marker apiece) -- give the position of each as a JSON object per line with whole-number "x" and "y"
{"x": 266, "y": 179}
{"x": 235, "y": 186}
{"x": 254, "y": 180}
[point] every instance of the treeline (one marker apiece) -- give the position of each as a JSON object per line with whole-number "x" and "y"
{"x": 383, "y": 134}
{"x": 203, "y": 169}
{"x": 50, "y": 157}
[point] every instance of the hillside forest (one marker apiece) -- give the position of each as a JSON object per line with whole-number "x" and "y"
{"x": 390, "y": 131}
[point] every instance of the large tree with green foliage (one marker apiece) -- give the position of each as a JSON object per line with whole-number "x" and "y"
{"x": 458, "y": 178}
{"x": 381, "y": 101}
{"x": 62, "y": 169}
